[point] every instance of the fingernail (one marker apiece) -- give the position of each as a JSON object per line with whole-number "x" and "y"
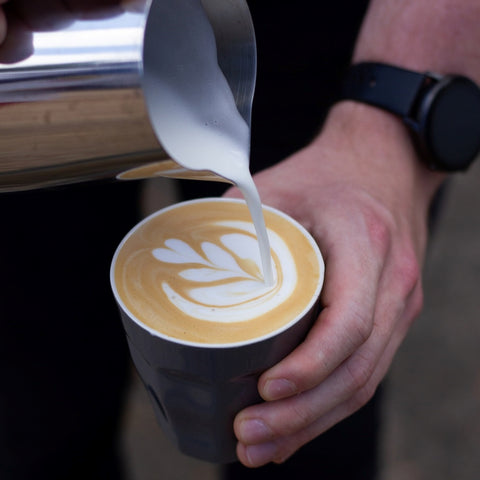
{"x": 258, "y": 455}
{"x": 254, "y": 431}
{"x": 279, "y": 388}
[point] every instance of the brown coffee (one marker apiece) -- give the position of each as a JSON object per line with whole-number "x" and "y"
{"x": 193, "y": 272}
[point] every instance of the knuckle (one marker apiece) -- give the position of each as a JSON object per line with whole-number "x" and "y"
{"x": 379, "y": 225}
{"x": 296, "y": 415}
{"x": 360, "y": 328}
{"x": 379, "y": 230}
{"x": 302, "y": 416}
{"x": 359, "y": 370}
{"x": 362, "y": 396}
{"x": 408, "y": 270}
{"x": 361, "y": 386}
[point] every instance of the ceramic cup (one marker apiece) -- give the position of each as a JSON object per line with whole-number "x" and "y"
{"x": 197, "y": 389}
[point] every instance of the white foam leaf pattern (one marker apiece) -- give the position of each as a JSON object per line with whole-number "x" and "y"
{"x": 206, "y": 274}
{"x": 178, "y": 252}
{"x": 228, "y": 294}
{"x": 219, "y": 264}
{"x": 209, "y": 299}
{"x": 246, "y": 248}
{"x": 220, "y": 258}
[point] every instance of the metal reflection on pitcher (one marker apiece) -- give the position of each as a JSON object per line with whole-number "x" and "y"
{"x": 73, "y": 106}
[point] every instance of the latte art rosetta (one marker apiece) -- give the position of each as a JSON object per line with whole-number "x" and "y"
{"x": 217, "y": 288}
{"x": 193, "y": 272}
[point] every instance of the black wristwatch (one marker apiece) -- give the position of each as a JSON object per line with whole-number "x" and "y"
{"x": 442, "y": 112}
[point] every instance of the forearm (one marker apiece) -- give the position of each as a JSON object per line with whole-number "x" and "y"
{"x": 382, "y": 159}
{"x": 441, "y": 36}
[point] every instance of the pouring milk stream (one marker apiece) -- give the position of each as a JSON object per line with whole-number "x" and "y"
{"x": 200, "y": 126}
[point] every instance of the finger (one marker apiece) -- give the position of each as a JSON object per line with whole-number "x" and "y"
{"x": 271, "y": 421}
{"x": 274, "y": 431}
{"x": 277, "y": 449}
{"x": 284, "y": 417}
{"x": 374, "y": 281}
{"x": 345, "y": 323}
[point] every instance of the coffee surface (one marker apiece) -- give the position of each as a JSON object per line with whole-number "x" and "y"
{"x": 193, "y": 272}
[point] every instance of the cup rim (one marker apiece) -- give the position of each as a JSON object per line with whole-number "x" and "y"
{"x": 242, "y": 343}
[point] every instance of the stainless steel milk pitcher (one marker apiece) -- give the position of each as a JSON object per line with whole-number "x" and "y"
{"x": 73, "y": 106}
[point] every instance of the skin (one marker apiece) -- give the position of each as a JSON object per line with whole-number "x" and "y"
{"x": 19, "y": 18}
{"x": 363, "y": 193}
{"x": 367, "y": 211}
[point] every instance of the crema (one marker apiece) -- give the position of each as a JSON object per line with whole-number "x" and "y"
{"x": 193, "y": 272}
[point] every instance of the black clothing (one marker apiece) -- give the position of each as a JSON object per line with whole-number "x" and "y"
{"x": 63, "y": 356}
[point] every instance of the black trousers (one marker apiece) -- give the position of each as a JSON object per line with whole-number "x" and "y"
{"x": 63, "y": 357}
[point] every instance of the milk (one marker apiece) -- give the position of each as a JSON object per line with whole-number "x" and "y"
{"x": 217, "y": 282}
{"x": 193, "y": 110}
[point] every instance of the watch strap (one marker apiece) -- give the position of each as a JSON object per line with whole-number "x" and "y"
{"x": 391, "y": 88}
{"x": 442, "y": 112}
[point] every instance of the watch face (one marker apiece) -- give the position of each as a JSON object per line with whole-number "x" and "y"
{"x": 451, "y": 125}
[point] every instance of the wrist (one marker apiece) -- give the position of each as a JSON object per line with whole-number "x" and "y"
{"x": 377, "y": 149}
{"x": 441, "y": 112}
